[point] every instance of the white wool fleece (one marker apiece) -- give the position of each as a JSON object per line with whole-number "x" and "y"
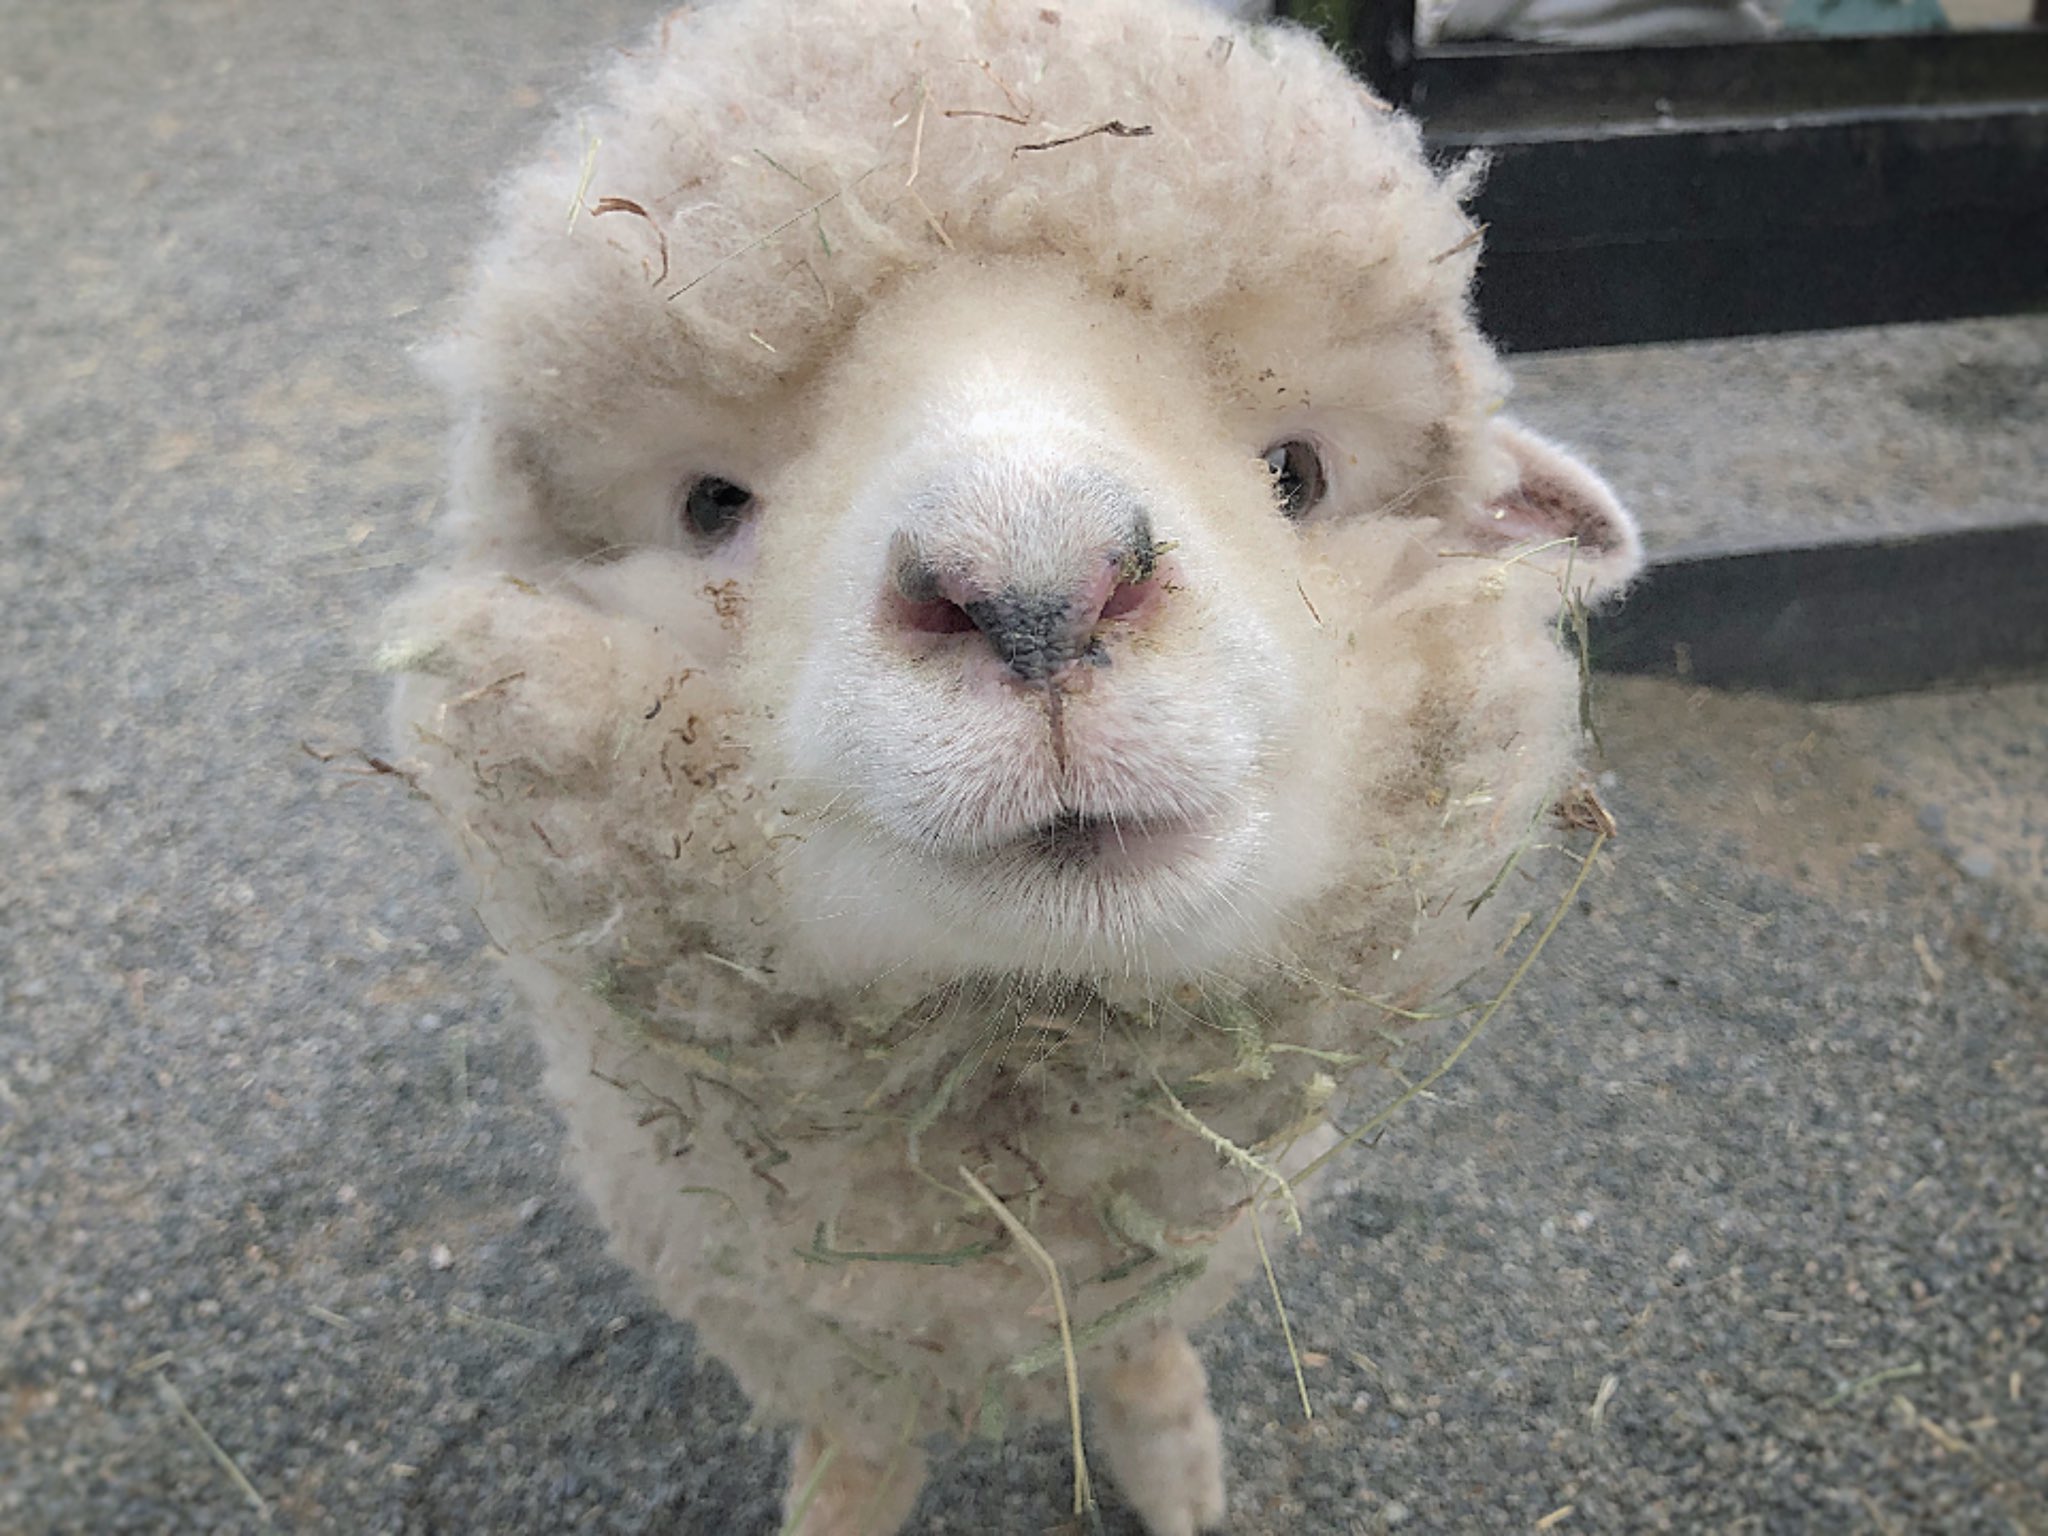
{"x": 816, "y": 897}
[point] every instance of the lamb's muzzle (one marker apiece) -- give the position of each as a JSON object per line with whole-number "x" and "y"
{"x": 1039, "y": 631}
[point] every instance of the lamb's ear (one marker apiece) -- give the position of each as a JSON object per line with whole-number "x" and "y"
{"x": 1552, "y": 496}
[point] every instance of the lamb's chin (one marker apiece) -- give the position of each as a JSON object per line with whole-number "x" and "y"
{"x": 1084, "y": 899}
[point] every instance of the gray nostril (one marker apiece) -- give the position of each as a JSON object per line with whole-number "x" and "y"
{"x": 1032, "y": 632}
{"x": 920, "y": 598}
{"x": 916, "y": 578}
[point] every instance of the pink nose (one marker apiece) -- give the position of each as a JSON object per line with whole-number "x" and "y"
{"x": 1034, "y": 631}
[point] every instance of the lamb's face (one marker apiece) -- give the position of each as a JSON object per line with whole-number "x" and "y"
{"x": 1036, "y": 621}
{"x": 1073, "y": 584}
{"x": 1064, "y": 650}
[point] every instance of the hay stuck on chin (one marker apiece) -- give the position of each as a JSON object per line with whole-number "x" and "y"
{"x": 1300, "y": 1090}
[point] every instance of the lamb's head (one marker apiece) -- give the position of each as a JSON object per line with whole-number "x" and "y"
{"x": 940, "y": 550}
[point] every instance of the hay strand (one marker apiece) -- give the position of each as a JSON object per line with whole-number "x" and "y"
{"x": 1238, "y": 1157}
{"x": 1522, "y": 846}
{"x": 1279, "y": 1306}
{"x": 924, "y": 101}
{"x": 808, "y": 1494}
{"x": 1152, "y": 1298}
{"x": 588, "y": 170}
{"x": 763, "y": 238}
{"x": 820, "y": 1253}
{"x": 627, "y": 205}
{"x": 1477, "y": 233}
{"x": 247, "y": 1489}
{"x": 889, "y": 1469}
{"x": 1084, "y": 1496}
{"x": 927, "y": 1114}
{"x": 1115, "y": 128}
{"x": 1500, "y": 1001}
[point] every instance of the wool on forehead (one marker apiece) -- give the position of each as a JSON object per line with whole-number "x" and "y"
{"x": 756, "y": 174}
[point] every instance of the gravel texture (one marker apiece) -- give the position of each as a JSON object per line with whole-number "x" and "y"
{"x": 1737, "y": 1219}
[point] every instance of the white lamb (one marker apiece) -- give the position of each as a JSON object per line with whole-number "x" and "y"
{"x": 992, "y": 634}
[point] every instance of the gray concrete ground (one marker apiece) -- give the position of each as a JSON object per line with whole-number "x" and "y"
{"x": 1737, "y": 1221}
{"x": 1795, "y": 440}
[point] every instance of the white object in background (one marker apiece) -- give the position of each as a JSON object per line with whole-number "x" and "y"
{"x": 1610, "y": 23}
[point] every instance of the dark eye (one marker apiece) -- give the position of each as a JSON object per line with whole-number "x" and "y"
{"x": 714, "y": 507}
{"x": 1298, "y": 480}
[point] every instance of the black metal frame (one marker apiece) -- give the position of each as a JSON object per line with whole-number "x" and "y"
{"x": 1841, "y": 620}
{"x": 1665, "y": 193}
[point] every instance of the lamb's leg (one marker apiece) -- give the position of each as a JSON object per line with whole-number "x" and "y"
{"x": 853, "y": 1496}
{"x": 1162, "y": 1444}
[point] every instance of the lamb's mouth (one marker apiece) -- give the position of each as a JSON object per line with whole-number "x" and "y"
{"x": 1075, "y": 840}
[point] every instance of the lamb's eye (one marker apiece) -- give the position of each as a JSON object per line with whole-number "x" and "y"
{"x": 714, "y": 507}
{"x": 1298, "y": 479}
